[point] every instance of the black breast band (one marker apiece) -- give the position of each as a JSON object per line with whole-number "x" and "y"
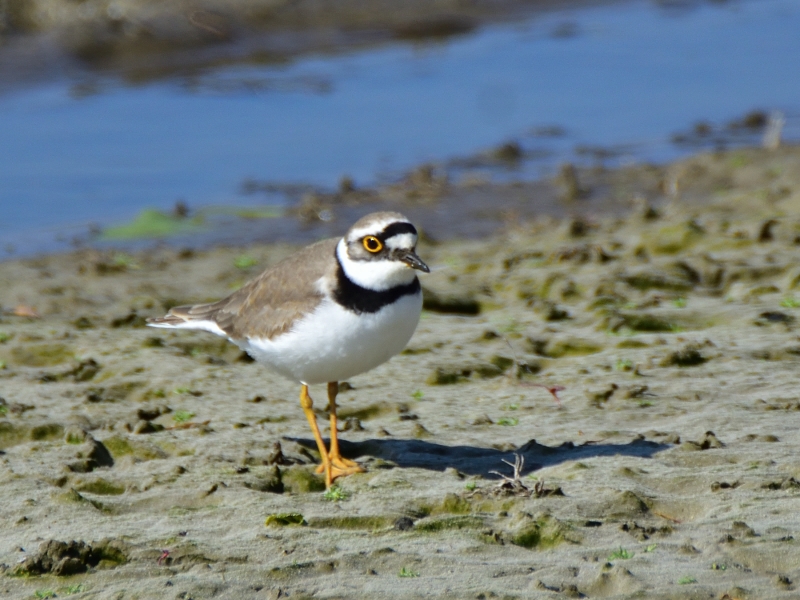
{"x": 360, "y": 300}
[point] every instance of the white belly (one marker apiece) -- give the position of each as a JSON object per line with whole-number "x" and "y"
{"x": 334, "y": 344}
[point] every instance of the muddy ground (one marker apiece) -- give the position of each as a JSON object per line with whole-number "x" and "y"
{"x": 141, "y": 463}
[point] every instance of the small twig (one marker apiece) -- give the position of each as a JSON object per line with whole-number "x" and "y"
{"x": 512, "y": 485}
{"x": 519, "y": 462}
{"x": 667, "y": 517}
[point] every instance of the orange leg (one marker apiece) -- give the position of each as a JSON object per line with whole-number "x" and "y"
{"x": 340, "y": 466}
{"x": 307, "y": 406}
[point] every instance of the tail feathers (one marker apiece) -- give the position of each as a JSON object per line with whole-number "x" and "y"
{"x": 199, "y": 316}
{"x": 168, "y": 321}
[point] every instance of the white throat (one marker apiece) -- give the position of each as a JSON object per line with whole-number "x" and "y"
{"x": 376, "y": 275}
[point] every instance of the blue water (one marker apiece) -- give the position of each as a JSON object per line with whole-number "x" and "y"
{"x": 629, "y": 74}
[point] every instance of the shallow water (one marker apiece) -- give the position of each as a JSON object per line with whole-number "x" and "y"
{"x": 624, "y": 77}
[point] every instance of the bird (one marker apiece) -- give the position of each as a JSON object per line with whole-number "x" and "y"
{"x": 332, "y": 310}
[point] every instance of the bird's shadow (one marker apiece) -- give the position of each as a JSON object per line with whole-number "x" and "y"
{"x": 472, "y": 460}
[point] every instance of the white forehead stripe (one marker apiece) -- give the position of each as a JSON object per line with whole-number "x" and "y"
{"x": 373, "y": 229}
{"x": 402, "y": 241}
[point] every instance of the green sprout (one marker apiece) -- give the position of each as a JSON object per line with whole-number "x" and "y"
{"x": 621, "y": 554}
{"x": 790, "y": 302}
{"x": 624, "y": 364}
{"x": 687, "y": 580}
{"x": 182, "y": 416}
{"x": 508, "y": 421}
{"x": 73, "y": 589}
{"x": 407, "y": 573}
{"x": 335, "y": 493}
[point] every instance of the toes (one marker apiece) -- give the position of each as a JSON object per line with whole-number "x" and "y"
{"x": 344, "y": 463}
{"x": 339, "y": 467}
{"x": 337, "y": 472}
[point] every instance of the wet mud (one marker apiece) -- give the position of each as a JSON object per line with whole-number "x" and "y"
{"x": 592, "y": 406}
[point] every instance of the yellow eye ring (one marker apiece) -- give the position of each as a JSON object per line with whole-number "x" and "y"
{"x": 372, "y": 244}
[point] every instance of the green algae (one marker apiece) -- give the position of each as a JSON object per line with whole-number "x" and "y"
{"x": 48, "y": 431}
{"x": 369, "y": 523}
{"x": 501, "y": 362}
{"x": 152, "y": 223}
{"x": 41, "y": 355}
{"x": 452, "y": 504}
{"x": 632, "y": 344}
{"x": 75, "y": 436}
{"x": 302, "y": 480}
{"x": 10, "y": 435}
{"x": 657, "y": 281}
{"x": 119, "y": 446}
{"x": 642, "y": 322}
{"x": 437, "y": 524}
{"x": 284, "y": 520}
{"x": 675, "y": 238}
{"x": 572, "y": 347}
{"x": 101, "y": 487}
{"x": 540, "y": 534}
{"x": 117, "y": 392}
{"x": 442, "y": 376}
{"x": 452, "y": 375}
{"x": 72, "y": 496}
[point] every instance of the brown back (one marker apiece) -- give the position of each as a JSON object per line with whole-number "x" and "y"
{"x": 268, "y": 305}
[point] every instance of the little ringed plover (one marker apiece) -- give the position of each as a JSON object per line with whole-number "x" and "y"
{"x": 332, "y": 310}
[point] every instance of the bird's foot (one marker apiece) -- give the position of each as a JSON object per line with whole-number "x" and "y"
{"x": 341, "y": 467}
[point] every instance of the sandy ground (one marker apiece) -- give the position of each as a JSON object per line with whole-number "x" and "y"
{"x": 669, "y": 469}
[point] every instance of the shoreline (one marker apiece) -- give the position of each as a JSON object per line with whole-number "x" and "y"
{"x": 141, "y": 42}
{"x": 451, "y": 205}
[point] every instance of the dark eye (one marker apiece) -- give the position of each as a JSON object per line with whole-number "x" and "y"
{"x": 372, "y": 244}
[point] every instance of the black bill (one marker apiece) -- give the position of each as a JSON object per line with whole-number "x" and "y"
{"x": 415, "y": 262}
